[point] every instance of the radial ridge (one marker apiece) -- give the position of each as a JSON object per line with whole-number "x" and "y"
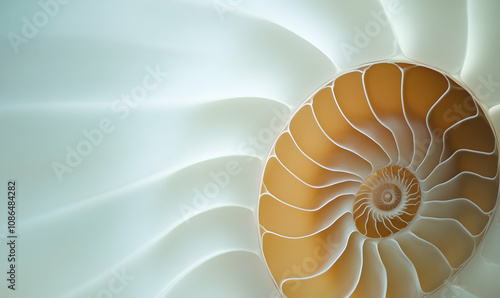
{"x": 389, "y": 170}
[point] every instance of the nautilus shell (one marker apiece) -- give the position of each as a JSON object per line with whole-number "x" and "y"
{"x": 250, "y": 148}
{"x": 383, "y": 184}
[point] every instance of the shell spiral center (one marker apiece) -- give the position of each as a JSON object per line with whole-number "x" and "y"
{"x": 386, "y": 202}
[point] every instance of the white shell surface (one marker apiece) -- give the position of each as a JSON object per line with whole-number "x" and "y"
{"x": 229, "y": 74}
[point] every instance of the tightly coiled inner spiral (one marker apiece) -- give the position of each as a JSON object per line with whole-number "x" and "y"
{"x": 386, "y": 202}
{"x": 382, "y": 185}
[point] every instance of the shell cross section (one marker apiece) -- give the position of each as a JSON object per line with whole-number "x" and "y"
{"x": 388, "y": 173}
{"x": 386, "y": 202}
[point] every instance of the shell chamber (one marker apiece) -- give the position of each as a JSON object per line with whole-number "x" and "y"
{"x": 383, "y": 184}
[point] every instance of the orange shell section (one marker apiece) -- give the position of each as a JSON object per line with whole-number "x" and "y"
{"x": 384, "y": 120}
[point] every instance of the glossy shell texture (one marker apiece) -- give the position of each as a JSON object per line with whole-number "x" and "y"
{"x": 169, "y": 196}
{"x": 383, "y": 184}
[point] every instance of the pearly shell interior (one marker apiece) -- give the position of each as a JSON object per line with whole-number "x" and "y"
{"x": 383, "y": 184}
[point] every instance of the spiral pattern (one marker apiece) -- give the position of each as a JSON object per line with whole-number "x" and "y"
{"x": 145, "y": 204}
{"x": 386, "y": 202}
{"x": 382, "y": 184}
